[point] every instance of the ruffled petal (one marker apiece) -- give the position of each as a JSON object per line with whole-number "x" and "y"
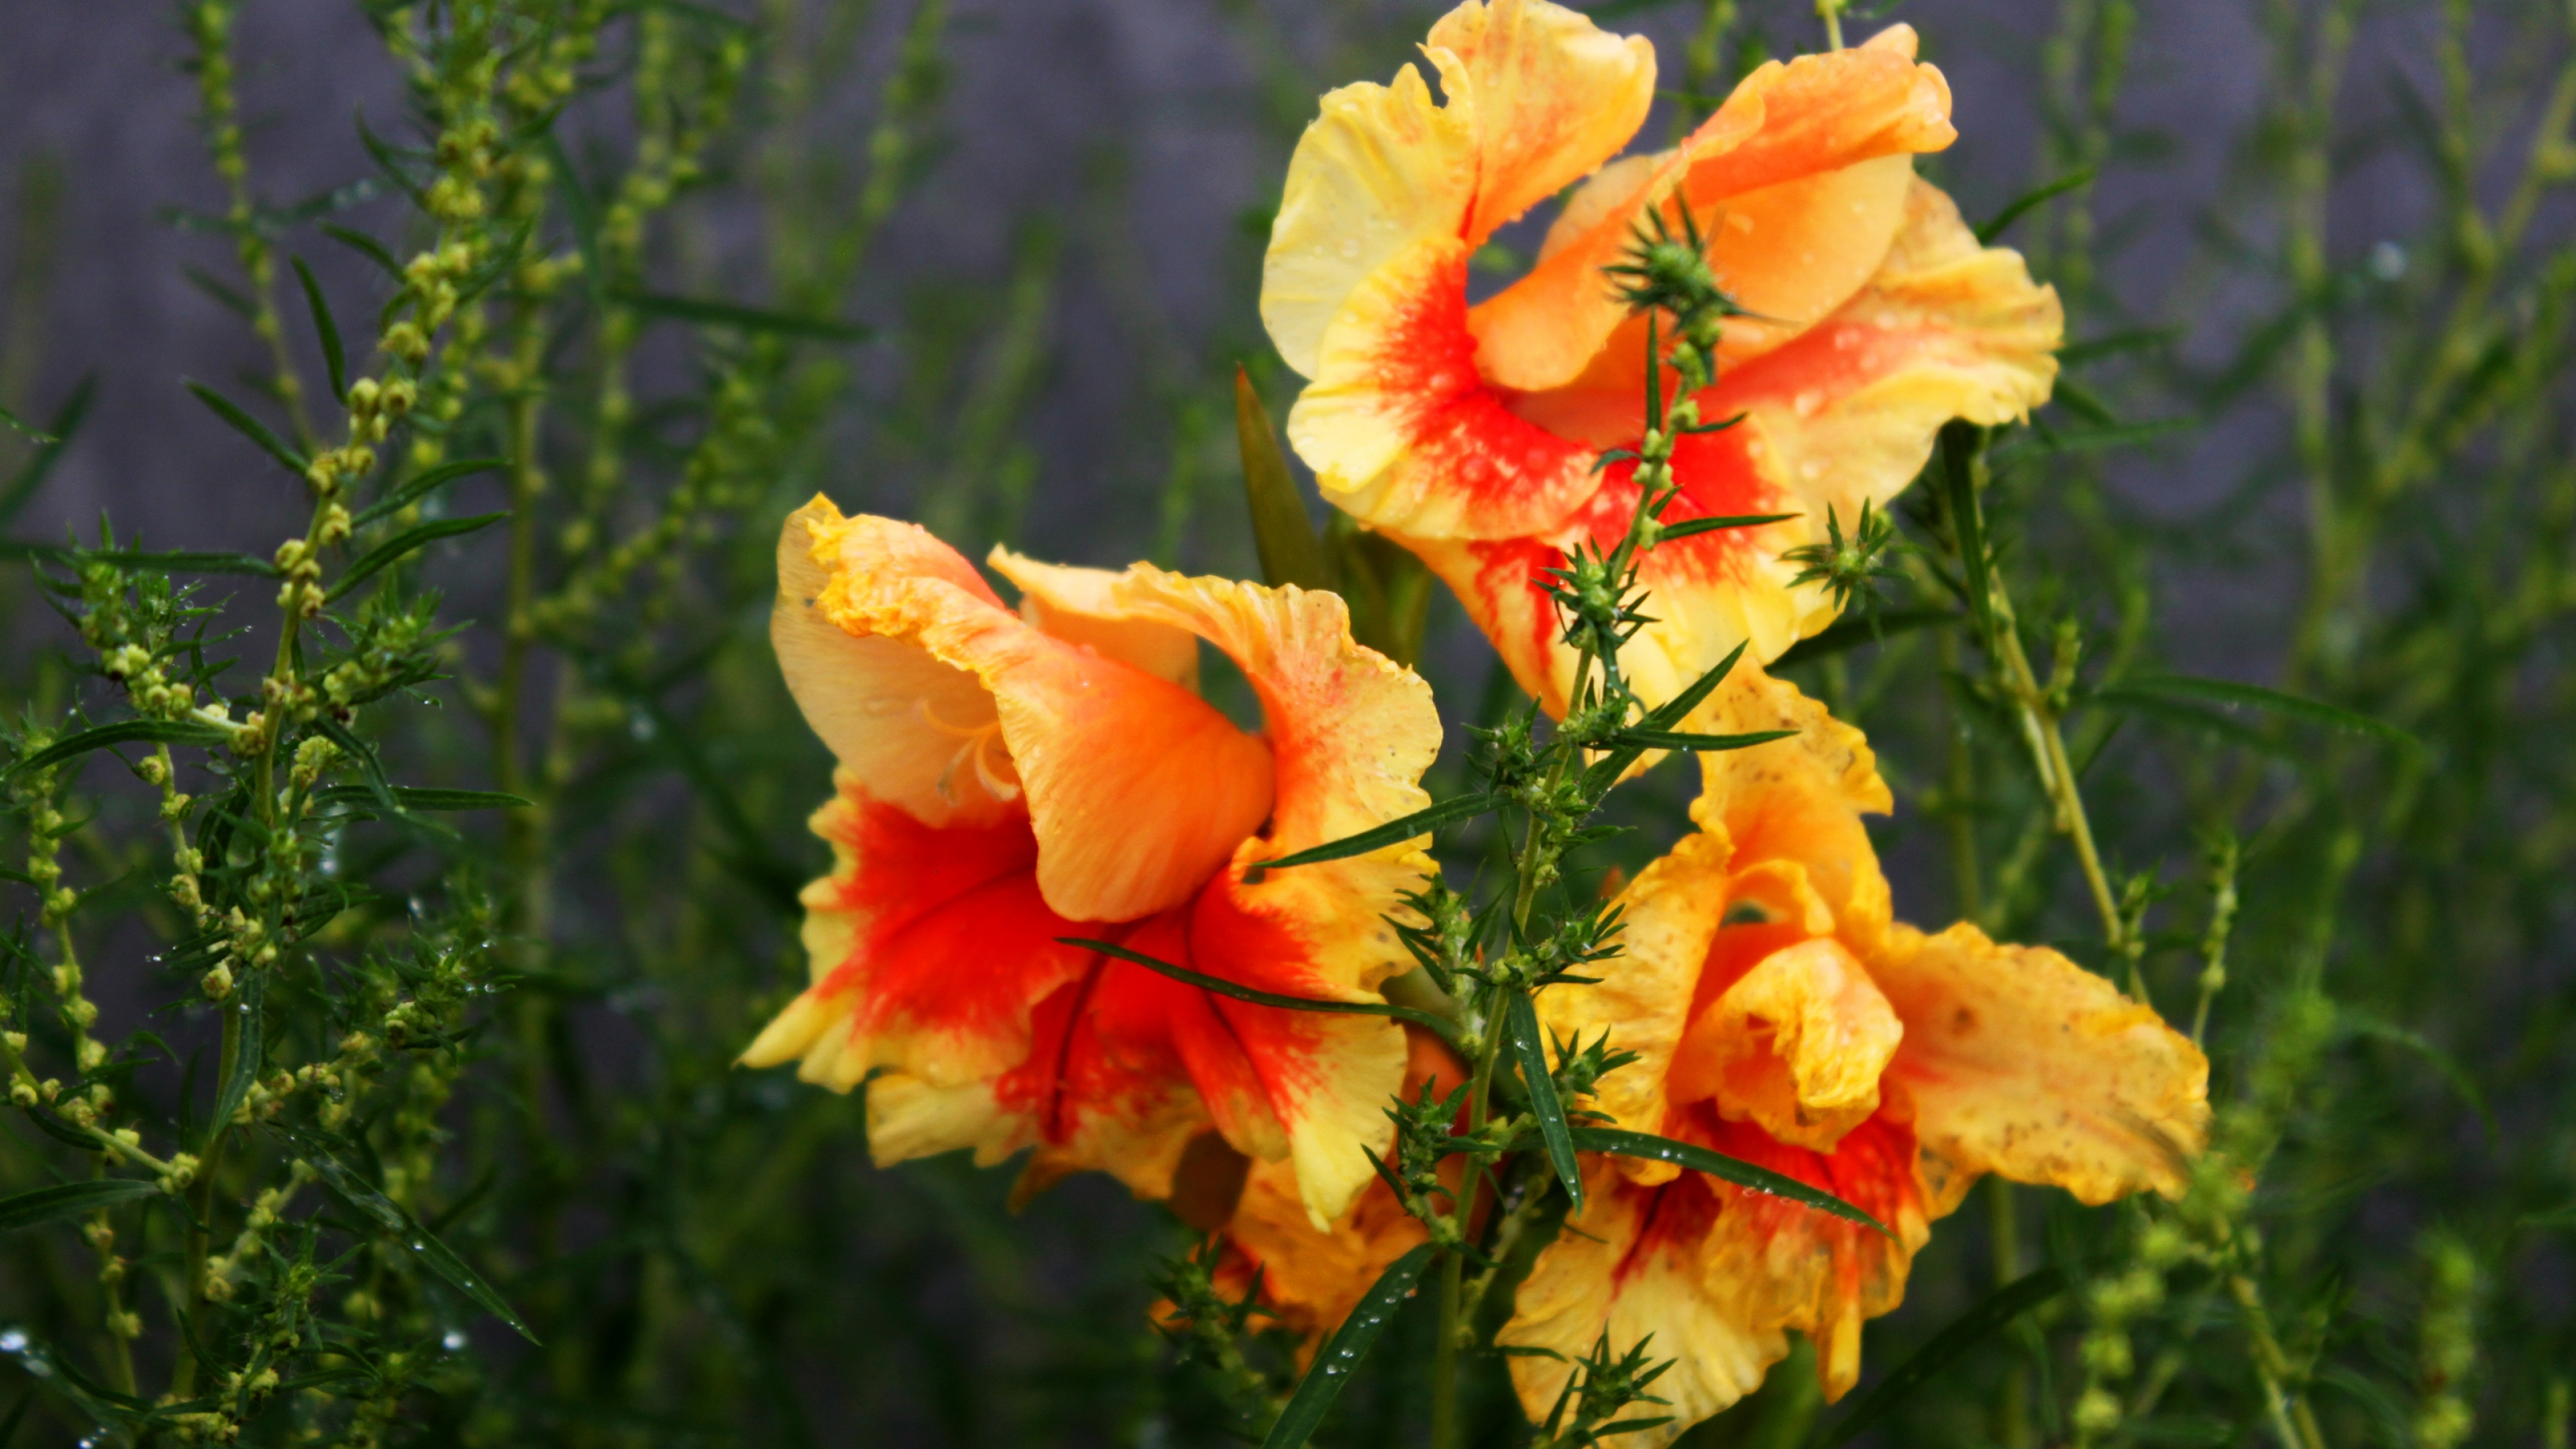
{"x": 1803, "y": 1269}
{"x": 1630, "y": 1269}
{"x": 1798, "y": 799}
{"x": 894, "y": 716}
{"x": 2022, "y": 1063}
{"x": 1796, "y": 1046}
{"x": 1311, "y": 1278}
{"x": 1405, "y": 435}
{"x": 1537, "y": 96}
{"x": 928, "y": 946}
{"x": 1137, "y": 788}
{"x": 1078, "y": 606}
{"x": 1844, "y": 415}
{"x": 1797, "y": 181}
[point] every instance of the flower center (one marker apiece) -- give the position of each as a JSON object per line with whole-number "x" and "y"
{"x": 979, "y": 746}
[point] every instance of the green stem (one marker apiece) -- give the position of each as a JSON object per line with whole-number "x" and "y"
{"x": 201, "y": 1207}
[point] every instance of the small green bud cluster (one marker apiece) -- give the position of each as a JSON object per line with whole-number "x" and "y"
{"x": 2447, "y": 1343}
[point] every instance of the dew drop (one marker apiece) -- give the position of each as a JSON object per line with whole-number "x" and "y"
{"x": 1808, "y": 401}
{"x": 453, "y": 1341}
{"x": 1812, "y": 469}
{"x": 1350, "y": 249}
{"x": 13, "y": 1342}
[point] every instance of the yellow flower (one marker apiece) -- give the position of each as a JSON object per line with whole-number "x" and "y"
{"x": 1471, "y": 433}
{"x": 1782, "y": 1016}
{"x": 1011, "y": 778}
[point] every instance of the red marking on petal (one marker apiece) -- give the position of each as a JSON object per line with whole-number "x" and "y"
{"x": 1464, "y": 434}
{"x": 1677, "y": 1217}
{"x": 952, "y": 934}
{"x": 1872, "y": 1168}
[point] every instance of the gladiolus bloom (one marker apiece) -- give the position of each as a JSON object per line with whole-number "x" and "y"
{"x": 1011, "y": 778}
{"x": 1781, "y": 1016}
{"x": 1471, "y": 433}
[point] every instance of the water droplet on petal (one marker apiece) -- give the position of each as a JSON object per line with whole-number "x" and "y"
{"x": 453, "y": 1340}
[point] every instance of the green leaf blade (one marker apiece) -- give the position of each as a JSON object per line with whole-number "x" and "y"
{"x": 1281, "y": 532}
{"x": 333, "y": 356}
{"x": 69, "y": 1199}
{"x": 1394, "y": 832}
{"x": 125, "y": 732}
{"x": 2234, "y": 695}
{"x": 1622, "y": 1143}
{"x": 1222, "y": 987}
{"x": 250, "y": 427}
{"x": 1350, "y": 1344}
{"x": 363, "y": 1198}
{"x": 1963, "y": 1333}
{"x": 1520, "y": 1021}
{"x": 393, "y": 549}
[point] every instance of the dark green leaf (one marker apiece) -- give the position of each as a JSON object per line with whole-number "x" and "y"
{"x": 2035, "y": 197}
{"x": 413, "y": 488}
{"x": 1718, "y": 1165}
{"x": 388, "y": 1215}
{"x": 1290, "y": 552}
{"x": 1606, "y": 771}
{"x": 1846, "y": 634}
{"x": 1520, "y": 1021}
{"x": 1999, "y": 1308}
{"x": 365, "y": 246}
{"x": 1702, "y": 744}
{"x": 125, "y": 732}
{"x": 1394, "y": 832}
{"x": 1223, "y": 987}
{"x": 406, "y": 541}
{"x": 249, "y": 1051}
{"x": 390, "y": 164}
{"x": 1959, "y": 445}
{"x": 181, "y": 561}
{"x": 418, "y": 797}
{"x": 2207, "y": 721}
{"x": 69, "y": 1199}
{"x": 2254, "y": 696}
{"x": 17, "y": 1416}
{"x": 2093, "y": 349}
{"x": 1689, "y": 526}
{"x": 31, "y": 476}
{"x": 251, "y": 428}
{"x": 1341, "y": 1357}
{"x": 728, "y": 314}
{"x": 333, "y": 356}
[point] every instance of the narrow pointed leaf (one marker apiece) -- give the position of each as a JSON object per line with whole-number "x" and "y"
{"x": 249, "y": 1047}
{"x": 1290, "y": 552}
{"x": 405, "y": 542}
{"x": 223, "y": 293}
{"x": 1223, "y": 987}
{"x": 2036, "y": 197}
{"x": 385, "y": 1213}
{"x": 365, "y": 246}
{"x": 1520, "y": 1019}
{"x": 1999, "y": 1308}
{"x": 1690, "y": 526}
{"x": 251, "y": 428}
{"x": 419, "y": 797}
{"x": 1702, "y": 744}
{"x": 333, "y": 356}
{"x": 125, "y": 732}
{"x": 412, "y": 489}
{"x": 180, "y": 561}
{"x": 2094, "y": 349}
{"x": 31, "y": 475}
{"x": 2254, "y": 696}
{"x": 1676, "y": 709}
{"x": 1959, "y": 442}
{"x": 1718, "y": 1165}
{"x": 709, "y": 313}
{"x": 69, "y": 1200}
{"x": 1394, "y": 832}
{"x": 1342, "y": 1356}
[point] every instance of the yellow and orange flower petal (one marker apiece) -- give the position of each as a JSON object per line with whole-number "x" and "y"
{"x": 1310, "y": 1278}
{"x": 1781, "y": 1016}
{"x": 1471, "y": 434}
{"x": 1010, "y": 779}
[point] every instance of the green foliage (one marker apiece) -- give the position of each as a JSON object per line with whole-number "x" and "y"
{"x": 392, "y": 903}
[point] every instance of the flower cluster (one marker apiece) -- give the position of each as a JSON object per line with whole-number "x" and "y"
{"x": 1077, "y": 910}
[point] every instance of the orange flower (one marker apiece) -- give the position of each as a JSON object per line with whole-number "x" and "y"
{"x": 1781, "y": 1016}
{"x": 1471, "y": 433}
{"x": 1007, "y": 779}
{"x": 1312, "y": 1277}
